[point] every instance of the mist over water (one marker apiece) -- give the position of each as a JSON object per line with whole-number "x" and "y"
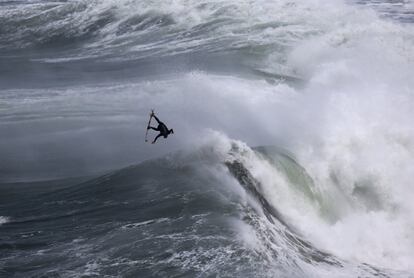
{"x": 326, "y": 87}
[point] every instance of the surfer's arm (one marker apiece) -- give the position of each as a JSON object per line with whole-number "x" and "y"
{"x": 154, "y": 128}
{"x": 155, "y": 117}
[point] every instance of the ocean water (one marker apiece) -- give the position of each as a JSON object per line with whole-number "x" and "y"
{"x": 292, "y": 154}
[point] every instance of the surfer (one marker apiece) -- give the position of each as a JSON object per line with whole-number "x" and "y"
{"x": 162, "y": 128}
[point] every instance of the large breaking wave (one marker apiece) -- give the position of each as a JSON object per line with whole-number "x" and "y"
{"x": 210, "y": 211}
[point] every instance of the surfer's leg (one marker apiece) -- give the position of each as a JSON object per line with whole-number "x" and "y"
{"x": 155, "y": 139}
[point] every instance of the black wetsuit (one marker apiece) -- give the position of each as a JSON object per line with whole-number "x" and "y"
{"x": 162, "y": 128}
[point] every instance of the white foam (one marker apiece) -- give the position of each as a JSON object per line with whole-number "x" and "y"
{"x": 4, "y": 219}
{"x": 353, "y": 135}
{"x": 357, "y": 137}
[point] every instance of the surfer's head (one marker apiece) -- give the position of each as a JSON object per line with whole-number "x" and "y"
{"x": 169, "y": 132}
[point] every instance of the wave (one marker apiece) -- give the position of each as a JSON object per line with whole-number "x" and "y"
{"x": 283, "y": 39}
{"x": 133, "y": 29}
{"x": 209, "y": 210}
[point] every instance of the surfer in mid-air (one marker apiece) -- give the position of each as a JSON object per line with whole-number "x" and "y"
{"x": 162, "y": 128}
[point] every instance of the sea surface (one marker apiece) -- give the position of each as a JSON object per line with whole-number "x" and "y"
{"x": 293, "y": 145}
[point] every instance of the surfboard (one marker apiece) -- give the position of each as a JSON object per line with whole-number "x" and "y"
{"x": 149, "y": 123}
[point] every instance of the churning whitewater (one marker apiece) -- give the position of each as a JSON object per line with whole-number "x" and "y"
{"x": 292, "y": 153}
